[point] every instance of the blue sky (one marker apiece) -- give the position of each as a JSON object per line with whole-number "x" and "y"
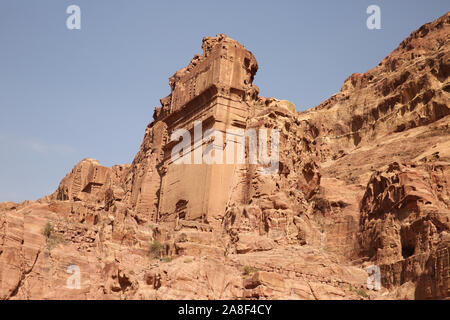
{"x": 66, "y": 94}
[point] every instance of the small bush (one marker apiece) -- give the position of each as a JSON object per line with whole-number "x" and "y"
{"x": 52, "y": 238}
{"x": 47, "y": 230}
{"x": 166, "y": 259}
{"x": 249, "y": 270}
{"x": 361, "y": 293}
{"x": 156, "y": 249}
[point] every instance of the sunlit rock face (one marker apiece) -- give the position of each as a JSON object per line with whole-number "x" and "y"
{"x": 361, "y": 180}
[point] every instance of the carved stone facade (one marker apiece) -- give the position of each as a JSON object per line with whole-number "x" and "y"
{"x": 215, "y": 92}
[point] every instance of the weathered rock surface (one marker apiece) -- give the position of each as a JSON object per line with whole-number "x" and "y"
{"x": 363, "y": 179}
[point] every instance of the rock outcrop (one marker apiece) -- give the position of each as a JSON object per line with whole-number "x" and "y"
{"x": 362, "y": 179}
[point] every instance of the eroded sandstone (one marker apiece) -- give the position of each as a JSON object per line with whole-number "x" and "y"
{"x": 362, "y": 179}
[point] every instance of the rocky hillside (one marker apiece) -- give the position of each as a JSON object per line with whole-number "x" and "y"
{"x": 363, "y": 179}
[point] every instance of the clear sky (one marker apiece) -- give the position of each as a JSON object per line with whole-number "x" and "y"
{"x": 67, "y": 94}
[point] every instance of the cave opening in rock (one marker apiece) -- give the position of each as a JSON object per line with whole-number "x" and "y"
{"x": 407, "y": 251}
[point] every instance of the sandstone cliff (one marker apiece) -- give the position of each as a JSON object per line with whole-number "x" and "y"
{"x": 362, "y": 179}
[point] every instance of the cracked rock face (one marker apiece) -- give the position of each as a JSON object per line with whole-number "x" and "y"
{"x": 363, "y": 179}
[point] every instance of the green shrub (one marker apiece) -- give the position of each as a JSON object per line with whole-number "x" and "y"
{"x": 249, "y": 270}
{"x": 52, "y": 238}
{"x": 359, "y": 292}
{"x": 156, "y": 248}
{"x": 362, "y": 293}
{"x": 47, "y": 230}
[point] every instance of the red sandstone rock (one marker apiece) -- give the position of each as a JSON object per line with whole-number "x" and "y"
{"x": 363, "y": 179}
